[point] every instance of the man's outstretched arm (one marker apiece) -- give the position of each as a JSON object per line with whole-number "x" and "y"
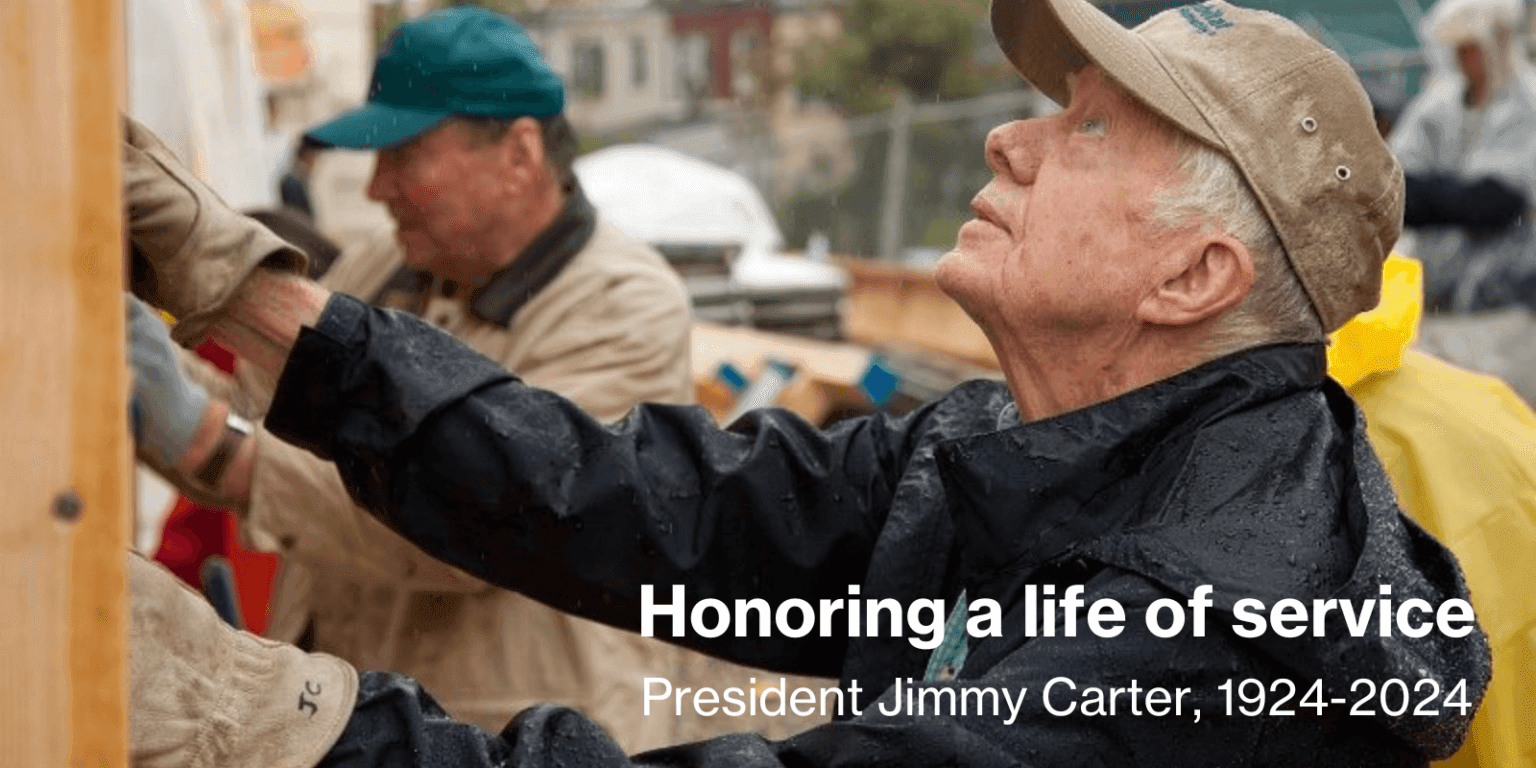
{"x": 520, "y": 487}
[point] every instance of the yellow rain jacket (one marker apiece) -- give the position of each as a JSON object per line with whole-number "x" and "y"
{"x": 1461, "y": 450}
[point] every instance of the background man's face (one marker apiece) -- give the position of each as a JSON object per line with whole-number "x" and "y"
{"x": 1064, "y": 232}
{"x": 444, "y": 192}
{"x": 1473, "y": 64}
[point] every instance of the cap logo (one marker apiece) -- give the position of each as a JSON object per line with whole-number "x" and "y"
{"x": 1204, "y": 18}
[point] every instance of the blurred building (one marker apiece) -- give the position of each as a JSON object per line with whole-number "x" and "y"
{"x": 711, "y": 78}
{"x": 736, "y": 64}
{"x": 722, "y": 45}
{"x": 617, "y": 58}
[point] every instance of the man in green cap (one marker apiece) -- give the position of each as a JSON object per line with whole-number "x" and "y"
{"x": 496, "y": 244}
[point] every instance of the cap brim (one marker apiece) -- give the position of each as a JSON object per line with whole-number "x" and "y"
{"x": 1046, "y": 40}
{"x": 376, "y": 126}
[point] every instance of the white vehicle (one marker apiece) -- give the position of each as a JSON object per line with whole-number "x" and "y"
{"x": 717, "y": 230}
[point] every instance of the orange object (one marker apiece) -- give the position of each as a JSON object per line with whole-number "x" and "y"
{"x": 282, "y": 47}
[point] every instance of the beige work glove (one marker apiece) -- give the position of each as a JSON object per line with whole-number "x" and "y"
{"x": 198, "y": 250}
{"x": 204, "y": 695}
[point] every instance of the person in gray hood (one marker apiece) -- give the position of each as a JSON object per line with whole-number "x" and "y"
{"x": 1156, "y": 544}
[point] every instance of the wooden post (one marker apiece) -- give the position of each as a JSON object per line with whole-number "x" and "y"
{"x": 64, "y": 454}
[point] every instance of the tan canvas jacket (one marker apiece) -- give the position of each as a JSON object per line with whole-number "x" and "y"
{"x": 610, "y": 330}
{"x": 189, "y": 250}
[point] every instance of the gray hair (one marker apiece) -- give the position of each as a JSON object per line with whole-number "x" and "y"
{"x": 1214, "y": 193}
{"x": 560, "y": 143}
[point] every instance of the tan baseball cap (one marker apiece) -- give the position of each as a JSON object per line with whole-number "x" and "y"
{"x": 1289, "y": 113}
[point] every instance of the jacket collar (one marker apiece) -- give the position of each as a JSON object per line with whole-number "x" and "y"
{"x": 533, "y": 269}
{"x": 508, "y": 290}
{"x": 1028, "y": 493}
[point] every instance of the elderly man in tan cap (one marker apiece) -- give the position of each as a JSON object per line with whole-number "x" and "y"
{"x": 1153, "y": 546}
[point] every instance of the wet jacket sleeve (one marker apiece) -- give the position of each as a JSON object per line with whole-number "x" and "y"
{"x": 520, "y": 487}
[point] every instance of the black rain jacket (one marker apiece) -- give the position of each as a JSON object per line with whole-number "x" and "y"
{"x": 1251, "y": 474}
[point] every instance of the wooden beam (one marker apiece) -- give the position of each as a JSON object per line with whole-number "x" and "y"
{"x": 64, "y": 464}
{"x": 826, "y": 378}
{"x": 747, "y": 348}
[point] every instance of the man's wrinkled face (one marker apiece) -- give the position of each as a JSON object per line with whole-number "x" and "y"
{"x": 1064, "y": 234}
{"x": 443, "y": 191}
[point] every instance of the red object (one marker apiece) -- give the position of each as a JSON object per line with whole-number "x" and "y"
{"x": 719, "y": 24}
{"x": 194, "y": 532}
{"x": 219, "y": 356}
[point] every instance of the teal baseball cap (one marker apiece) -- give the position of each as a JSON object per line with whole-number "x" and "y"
{"x": 460, "y": 61}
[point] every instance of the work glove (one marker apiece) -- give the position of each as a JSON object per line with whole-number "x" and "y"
{"x": 203, "y": 694}
{"x": 166, "y": 407}
{"x": 190, "y": 249}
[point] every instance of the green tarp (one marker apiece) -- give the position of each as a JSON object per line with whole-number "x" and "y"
{"x": 1361, "y": 27}
{"x": 1376, "y": 36}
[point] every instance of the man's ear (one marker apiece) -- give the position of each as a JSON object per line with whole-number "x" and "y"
{"x": 523, "y": 152}
{"x": 1217, "y": 276}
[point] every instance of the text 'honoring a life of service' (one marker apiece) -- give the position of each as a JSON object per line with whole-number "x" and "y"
{"x": 923, "y": 621}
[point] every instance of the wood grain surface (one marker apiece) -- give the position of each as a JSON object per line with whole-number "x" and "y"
{"x": 64, "y": 455}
